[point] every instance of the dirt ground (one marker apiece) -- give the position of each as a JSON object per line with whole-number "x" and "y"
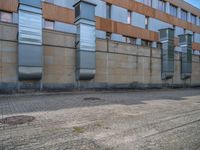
{"x": 149, "y": 119}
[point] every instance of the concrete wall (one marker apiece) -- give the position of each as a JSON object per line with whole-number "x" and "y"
{"x": 118, "y": 64}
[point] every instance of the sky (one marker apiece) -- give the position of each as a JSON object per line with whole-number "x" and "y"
{"x": 196, "y": 3}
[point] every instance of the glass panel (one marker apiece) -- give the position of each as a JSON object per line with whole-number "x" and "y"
{"x": 184, "y": 15}
{"x": 161, "y": 5}
{"x": 129, "y": 17}
{"x": 6, "y": 17}
{"x": 193, "y": 19}
{"x": 147, "y": 2}
{"x": 173, "y": 10}
{"x": 146, "y": 22}
{"x": 49, "y": 1}
{"x": 108, "y": 11}
{"x": 49, "y": 24}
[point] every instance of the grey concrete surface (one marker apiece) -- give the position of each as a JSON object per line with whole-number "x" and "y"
{"x": 143, "y": 120}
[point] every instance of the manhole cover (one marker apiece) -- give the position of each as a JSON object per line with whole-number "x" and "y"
{"x": 15, "y": 120}
{"x": 92, "y": 99}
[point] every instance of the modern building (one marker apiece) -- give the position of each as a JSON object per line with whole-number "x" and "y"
{"x": 72, "y": 44}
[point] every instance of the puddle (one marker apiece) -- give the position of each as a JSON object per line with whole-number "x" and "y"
{"x": 17, "y": 120}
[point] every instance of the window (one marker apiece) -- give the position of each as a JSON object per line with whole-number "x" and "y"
{"x": 159, "y": 45}
{"x": 146, "y": 22}
{"x": 193, "y": 37}
{"x": 49, "y": 24}
{"x": 185, "y": 31}
{"x": 193, "y": 19}
{"x": 146, "y": 43}
{"x": 108, "y": 11}
{"x": 108, "y": 35}
{"x": 148, "y": 2}
{"x": 49, "y": 1}
{"x": 173, "y": 10}
{"x": 162, "y": 5}
{"x": 129, "y": 17}
{"x": 6, "y": 16}
{"x": 130, "y": 40}
{"x": 183, "y": 14}
{"x": 199, "y": 21}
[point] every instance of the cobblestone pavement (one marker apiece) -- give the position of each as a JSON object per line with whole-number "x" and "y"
{"x": 163, "y": 119}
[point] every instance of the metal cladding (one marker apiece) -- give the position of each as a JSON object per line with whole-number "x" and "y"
{"x": 30, "y": 50}
{"x": 86, "y": 40}
{"x": 186, "y": 55}
{"x": 167, "y": 51}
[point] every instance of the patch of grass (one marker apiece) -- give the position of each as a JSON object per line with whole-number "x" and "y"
{"x": 79, "y": 129}
{"x": 110, "y": 148}
{"x": 98, "y": 125}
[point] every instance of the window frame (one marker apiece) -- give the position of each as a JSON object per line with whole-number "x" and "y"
{"x": 182, "y": 16}
{"x": 195, "y": 20}
{"x": 130, "y": 40}
{"x": 146, "y": 22}
{"x": 173, "y": 10}
{"x": 11, "y": 17}
{"x": 161, "y": 5}
{"x": 129, "y": 17}
{"x": 50, "y": 21}
{"x": 108, "y": 11}
{"x": 49, "y": 1}
{"x": 148, "y": 2}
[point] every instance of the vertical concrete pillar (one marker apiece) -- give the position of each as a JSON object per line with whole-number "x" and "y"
{"x": 30, "y": 50}
{"x": 167, "y": 51}
{"x": 86, "y": 40}
{"x": 185, "y": 41}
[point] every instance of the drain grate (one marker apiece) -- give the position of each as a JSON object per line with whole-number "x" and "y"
{"x": 17, "y": 120}
{"x": 92, "y": 99}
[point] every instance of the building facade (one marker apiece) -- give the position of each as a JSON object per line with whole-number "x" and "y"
{"x": 72, "y": 44}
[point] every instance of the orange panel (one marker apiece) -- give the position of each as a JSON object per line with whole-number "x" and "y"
{"x": 9, "y": 5}
{"x": 57, "y": 13}
{"x": 196, "y": 46}
{"x": 125, "y": 29}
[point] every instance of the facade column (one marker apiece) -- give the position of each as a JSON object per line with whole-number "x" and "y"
{"x": 30, "y": 49}
{"x": 86, "y": 40}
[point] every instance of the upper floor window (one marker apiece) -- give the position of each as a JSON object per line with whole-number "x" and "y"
{"x": 148, "y": 2}
{"x": 193, "y": 19}
{"x": 162, "y": 5}
{"x": 129, "y": 17}
{"x": 199, "y": 21}
{"x": 108, "y": 11}
{"x": 49, "y": 24}
{"x": 130, "y": 40}
{"x": 146, "y": 43}
{"x": 49, "y": 1}
{"x": 173, "y": 10}
{"x": 6, "y": 16}
{"x": 108, "y": 35}
{"x": 146, "y": 22}
{"x": 183, "y": 14}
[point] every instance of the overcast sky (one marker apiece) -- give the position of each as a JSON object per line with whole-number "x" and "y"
{"x": 196, "y": 3}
